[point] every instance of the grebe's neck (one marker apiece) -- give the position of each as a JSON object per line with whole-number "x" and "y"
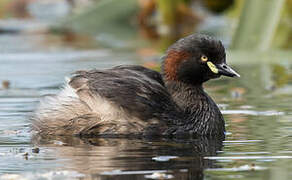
{"x": 201, "y": 114}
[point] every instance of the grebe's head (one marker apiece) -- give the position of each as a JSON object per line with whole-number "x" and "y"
{"x": 196, "y": 59}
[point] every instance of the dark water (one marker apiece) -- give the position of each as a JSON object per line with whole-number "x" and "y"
{"x": 256, "y": 107}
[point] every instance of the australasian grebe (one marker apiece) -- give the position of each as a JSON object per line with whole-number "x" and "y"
{"x": 134, "y": 100}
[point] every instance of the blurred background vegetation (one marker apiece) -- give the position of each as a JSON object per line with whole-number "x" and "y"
{"x": 240, "y": 24}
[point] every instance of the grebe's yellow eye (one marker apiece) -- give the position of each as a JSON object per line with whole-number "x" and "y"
{"x": 204, "y": 58}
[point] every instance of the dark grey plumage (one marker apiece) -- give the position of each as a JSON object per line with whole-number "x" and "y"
{"x": 202, "y": 115}
{"x": 136, "y": 89}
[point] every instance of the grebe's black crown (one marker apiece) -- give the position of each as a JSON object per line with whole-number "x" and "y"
{"x": 199, "y": 44}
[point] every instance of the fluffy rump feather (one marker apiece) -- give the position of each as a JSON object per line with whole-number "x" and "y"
{"x": 54, "y": 112}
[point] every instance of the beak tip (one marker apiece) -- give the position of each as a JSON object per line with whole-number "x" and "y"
{"x": 237, "y": 75}
{"x": 225, "y": 70}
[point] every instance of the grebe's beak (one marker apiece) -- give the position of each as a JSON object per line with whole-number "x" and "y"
{"x": 224, "y": 69}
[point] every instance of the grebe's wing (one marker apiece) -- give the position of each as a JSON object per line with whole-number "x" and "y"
{"x": 136, "y": 89}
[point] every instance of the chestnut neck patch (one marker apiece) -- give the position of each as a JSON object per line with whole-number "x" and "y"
{"x": 171, "y": 63}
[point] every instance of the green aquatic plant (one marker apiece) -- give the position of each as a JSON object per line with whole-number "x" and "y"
{"x": 257, "y": 25}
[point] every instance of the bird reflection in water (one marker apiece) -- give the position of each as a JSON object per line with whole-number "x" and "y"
{"x": 132, "y": 158}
